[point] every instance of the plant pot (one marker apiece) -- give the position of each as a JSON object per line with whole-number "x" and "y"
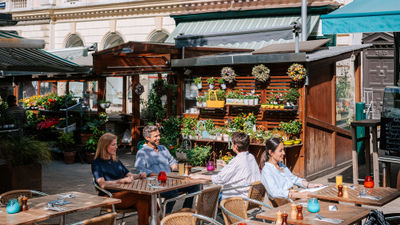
{"x": 246, "y": 102}
{"x": 281, "y": 106}
{"x": 297, "y": 142}
{"x": 288, "y": 143}
{"x": 211, "y": 86}
{"x": 199, "y": 86}
{"x": 251, "y": 101}
{"x": 199, "y": 104}
{"x": 223, "y": 86}
{"x": 256, "y": 101}
{"x": 69, "y": 157}
{"x": 89, "y": 157}
{"x": 276, "y": 106}
{"x": 226, "y": 137}
{"x": 219, "y": 137}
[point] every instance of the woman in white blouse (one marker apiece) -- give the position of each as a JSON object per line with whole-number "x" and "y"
{"x": 276, "y": 177}
{"x": 242, "y": 170}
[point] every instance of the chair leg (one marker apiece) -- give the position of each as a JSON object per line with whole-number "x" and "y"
{"x": 122, "y": 219}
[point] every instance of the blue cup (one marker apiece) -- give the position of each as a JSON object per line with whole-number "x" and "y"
{"x": 313, "y": 205}
{"x": 12, "y": 206}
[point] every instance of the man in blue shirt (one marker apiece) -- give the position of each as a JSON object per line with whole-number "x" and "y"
{"x": 153, "y": 158}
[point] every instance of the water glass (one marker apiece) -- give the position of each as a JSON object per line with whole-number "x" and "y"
{"x": 181, "y": 169}
{"x": 313, "y": 205}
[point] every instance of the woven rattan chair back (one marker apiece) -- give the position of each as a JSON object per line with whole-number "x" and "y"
{"x": 183, "y": 218}
{"x": 107, "y": 219}
{"x": 15, "y": 194}
{"x": 256, "y": 192}
{"x": 235, "y": 205}
{"x": 208, "y": 201}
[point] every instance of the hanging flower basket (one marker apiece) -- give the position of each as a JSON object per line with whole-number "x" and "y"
{"x": 261, "y": 73}
{"x": 297, "y": 72}
{"x": 228, "y": 74}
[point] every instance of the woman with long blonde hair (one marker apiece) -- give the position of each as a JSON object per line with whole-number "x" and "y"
{"x": 107, "y": 169}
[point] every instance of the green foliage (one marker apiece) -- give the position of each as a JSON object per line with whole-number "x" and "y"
{"x": 343, "y": 86}
{"x": 209, "y": 124}
{"x": 197, "y": 80}
{"x": 171, "y": 130}
{"x": 233, "y": 94}
{"x": 211, "y": 80}
{"x": 154, "y": 109}
{"x": 220, "y": 94}
{"x": 91, "y": 144}
{"x": 66, "y": 141}
{"x": 24, "y": 151}
{"x": 292, "y": 96}
{"x": 221, "y": 81}
{"x": 292, "y": 128}
{"x": 198, "y": 155}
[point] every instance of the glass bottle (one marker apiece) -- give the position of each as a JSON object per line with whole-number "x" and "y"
{"x": 293, "y": 212}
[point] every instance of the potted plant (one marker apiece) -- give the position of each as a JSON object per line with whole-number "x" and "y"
{"x": 292, "y": 97}
{"x": 220, "y": 95}
{"x": 91, "y": 144}
{"x": 65, "y": 143}
{"x": 197, "y": 82}
{"x": 221, "y": 83}
{"x": 23, "y": 158}
{"x": 199, "y": 101}
{"x": 261, "y": 73}
{"x": 198, "y": 155}
{"x": 211, "y": 82}
{"x": 228, "y": 74}
{"x": 292, "y": 129}
{"x": 104, "y": 104}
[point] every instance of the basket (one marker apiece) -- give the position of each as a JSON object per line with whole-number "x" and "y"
{"x": 214, "y": 103}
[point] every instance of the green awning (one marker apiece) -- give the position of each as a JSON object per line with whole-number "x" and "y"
{"x": 361, "y": 16}
{"x": 242, "y": 24}
{"x": 19, "y": 54}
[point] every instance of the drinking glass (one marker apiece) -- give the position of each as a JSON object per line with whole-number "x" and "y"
{"x": 181, "y": 168}
{"x": 210, "y": 166}
{"x": 162, "y": 177}
{"x": 339, "y": 180}
{"x": 313, "y": 205}
{"x": 368, "y": 182}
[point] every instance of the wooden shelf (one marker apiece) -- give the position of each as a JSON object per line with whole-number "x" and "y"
{"x": 278, "y": 110}
{"x": 242, "y": 105}
{"x": 254, "y": 144}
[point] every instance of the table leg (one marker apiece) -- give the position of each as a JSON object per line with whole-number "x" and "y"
{"x": 354, "y": 155}
{"x": 62, "y": 220}
{"x": 153, "y": 210}
{"x": 375, "y": 162}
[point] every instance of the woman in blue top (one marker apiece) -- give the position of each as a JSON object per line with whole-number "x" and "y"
{"x": 276, "y": 177}
{"x": 107, "y": 169}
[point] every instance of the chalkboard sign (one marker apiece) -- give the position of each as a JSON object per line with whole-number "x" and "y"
{"x": 390, "y": 134}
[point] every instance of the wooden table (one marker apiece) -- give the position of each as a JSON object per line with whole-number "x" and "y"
{"x": 367, "y": 124}
{"x": 330, "y": 193}
{"x": 251, "y": 222}
{"x": 349, "y": 214}
{"x": 141, "y": 186}
{"x": 36, "y": 211}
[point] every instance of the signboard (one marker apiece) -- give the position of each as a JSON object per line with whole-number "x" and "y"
{"x": 2, "y": 4}
{"x": 390, "y": 120}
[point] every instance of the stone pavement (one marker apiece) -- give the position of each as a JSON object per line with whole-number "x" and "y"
{"x": 59, "y": 177}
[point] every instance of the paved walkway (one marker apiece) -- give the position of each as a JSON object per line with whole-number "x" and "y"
{"x": 59, "y": 177}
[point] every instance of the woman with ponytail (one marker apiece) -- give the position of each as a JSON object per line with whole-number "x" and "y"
{"x": 276, "y": 177}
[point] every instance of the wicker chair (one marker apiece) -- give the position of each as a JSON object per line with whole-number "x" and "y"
{"x": 16, "y": 193}
{"x": 235, "y": 209}
{"x": 206, "y": 203}
{"x": 186, "y": 218}
{"x": 107, "y": 219}
{"x": 131, "y": 211}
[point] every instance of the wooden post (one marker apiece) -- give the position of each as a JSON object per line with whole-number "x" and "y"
{"x": 179, "y": 96}
{"x": 54, "y": 87}
{"x": 333, "y": 111}
{"x": 135, "y": 132}
{"x": 124, "y": 91}
{"x": 38, "y": 87}
{"x": 367, "y": 151}
{"x": 169, "y": 96}
{"x": 357, "y": 74}
{"x": 375, "y": 161}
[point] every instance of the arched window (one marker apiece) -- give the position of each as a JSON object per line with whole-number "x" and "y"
{"x": 113, "y": 39}
{"x": 74, "y": 41}
{"x": 158, "y": 36}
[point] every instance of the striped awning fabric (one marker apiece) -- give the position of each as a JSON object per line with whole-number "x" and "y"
{"x": 21, "y": 56}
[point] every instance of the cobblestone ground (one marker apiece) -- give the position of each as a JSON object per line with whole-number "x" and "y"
{"x": 59, "y": 177}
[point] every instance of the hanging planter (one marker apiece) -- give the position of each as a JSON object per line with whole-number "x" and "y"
{"x": 197, "y": 82}
{"x": 104, "y": 104}
{"x": 297, "y": 72}
{"x": 228, "y": 74}
{"x": 261, "y": 73}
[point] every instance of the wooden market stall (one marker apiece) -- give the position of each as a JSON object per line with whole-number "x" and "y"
{"x": 135, "y": 58}
{"x": 325, "y": 145}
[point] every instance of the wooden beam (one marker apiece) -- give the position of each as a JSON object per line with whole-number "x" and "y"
{"x": 333, "y": 114}
{"x": 357, "y": 74}
{"x": 124, "y": 91}
{"x": 135, "y": 132}
{"x": 101, "y": 94}
{"x": 180, "y": 94}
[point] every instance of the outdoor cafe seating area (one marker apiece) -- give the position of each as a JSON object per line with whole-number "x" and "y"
{"x": 334, "y": 203}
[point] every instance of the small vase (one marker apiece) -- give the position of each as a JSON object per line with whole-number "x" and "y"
{"x": 223, "y": 86}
